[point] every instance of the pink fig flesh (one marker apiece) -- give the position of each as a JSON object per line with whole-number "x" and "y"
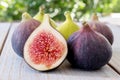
{"x": 45, "y": 49}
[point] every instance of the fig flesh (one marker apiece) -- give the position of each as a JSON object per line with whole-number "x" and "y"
{"x": 46, "y": 48}
{"x": 68, "y": 27}
{"x": 88, "y": 49}
{"x": 22, "y": 32}
{"x": 101, "y": 28}
{"x": 40, "y": 14}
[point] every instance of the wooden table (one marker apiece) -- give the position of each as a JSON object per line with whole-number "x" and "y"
{"x": 13, "y": 67}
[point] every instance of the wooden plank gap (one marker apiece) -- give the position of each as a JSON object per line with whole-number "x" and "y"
{"x": 114, "y": 68}
{"x": 5, "y": 39}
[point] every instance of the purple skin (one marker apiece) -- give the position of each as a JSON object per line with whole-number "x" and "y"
{"x": 103, "y": 29}
{"x": 88, "y": 49}
{"x": 21, "y": 34}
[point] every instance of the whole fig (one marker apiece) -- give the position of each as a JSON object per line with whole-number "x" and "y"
{"x": 88, "y": 49}
{"x": 22, "y": 32}
{"x": 46, "y": 48}
{"x": 101, "y": 28}
{"x": 68, "y": 27}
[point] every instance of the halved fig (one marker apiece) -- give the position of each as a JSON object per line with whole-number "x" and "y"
{"x": 45, "y": 48}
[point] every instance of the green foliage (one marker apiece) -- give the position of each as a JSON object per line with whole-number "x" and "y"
{"x": 12, "y": 9}
{"x": 117, "y": 7}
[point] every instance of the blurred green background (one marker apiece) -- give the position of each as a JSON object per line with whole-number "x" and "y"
{"x": 11, "y": 10}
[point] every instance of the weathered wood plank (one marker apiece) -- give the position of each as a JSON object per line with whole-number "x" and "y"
{"x": 13, "y": 67}
{"x": 4, "y": 27}
{"x": 114, "y": 62}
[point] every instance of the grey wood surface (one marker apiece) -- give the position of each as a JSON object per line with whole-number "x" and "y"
{"x": 4, "y": 27}
{"x": 115, "y": 61}
{"x": 13, "y": 67}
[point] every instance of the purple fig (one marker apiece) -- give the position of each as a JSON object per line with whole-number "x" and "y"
{"x": 101, "y": 28}
{"x": 88, "y": 49}
{"x": 22, "y": 32}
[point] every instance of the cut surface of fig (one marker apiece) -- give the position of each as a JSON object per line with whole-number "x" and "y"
{"x": 46, "y": 48}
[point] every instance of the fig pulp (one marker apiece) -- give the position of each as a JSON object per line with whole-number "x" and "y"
{"x": 101, "y": 28}
{"x": 46, "y": 48}
{"x": 40, "y": 14}
{"x": 68, "y": 27}
{"x": 22, "y": 32}
{"x": 88, "y": 49}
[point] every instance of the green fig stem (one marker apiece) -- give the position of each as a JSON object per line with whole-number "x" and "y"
{"x": 46, "y": 18}
{"x": 41, "y": 10}
{"x": 86, "y": 26}
{"x": 40, "y": 14}
{"x": 68, "y": 16}
{"x": 26, "y": 16}
{"x": 95, "y": 17}
{"x": 84, "y": 22}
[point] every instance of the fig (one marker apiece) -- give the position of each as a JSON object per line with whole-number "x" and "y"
{"x": 40, "y": 14}
{"x": 68, "y": 27}
{"x": 46, "y": 48}
{"x": 101, "y": 28}
{"x": 22, "y": 32}
{"x": 88, "y": 49}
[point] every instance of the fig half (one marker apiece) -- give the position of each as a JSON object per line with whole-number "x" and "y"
{"x": 88, "y": 49}
{"x": 46, "y": 48}
{"x": 22, "y": 32}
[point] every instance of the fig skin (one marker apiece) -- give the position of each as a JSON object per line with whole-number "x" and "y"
{"x": 88, "y": 49}
{"x": 39, "y": 17}
{"x": 102, "y": 28}
{"x": 68, "y": 26}
{"x": 22, "y": 32}
{"x": 40, "y": 14}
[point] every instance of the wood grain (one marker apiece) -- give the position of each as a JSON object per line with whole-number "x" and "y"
{"x": 4, "y": 27}
{"x": 13, "y": 67}
{"x": 115, "y": 61}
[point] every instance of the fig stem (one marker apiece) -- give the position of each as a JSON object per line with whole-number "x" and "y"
{"x": 40, "y": 14}
{"x": 95, "y": 17}
{"x": 46, "y": 18}
{"x": 41, "y": 10}
{"x": 26, "y": 16}
{"x": 86, "y": 26}
{"x": 84, "y": 22}
{"x": 68, "y": 16}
